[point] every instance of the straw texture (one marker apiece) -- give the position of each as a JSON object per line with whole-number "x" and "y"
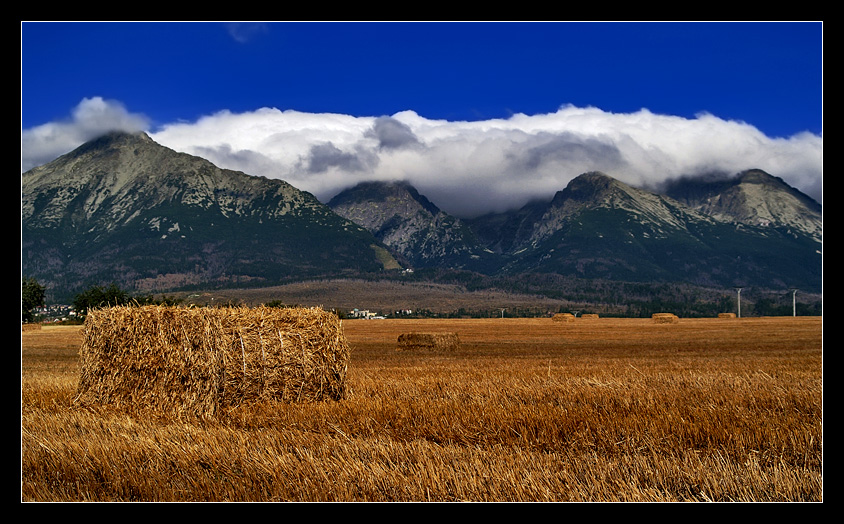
{"x": 428, "y": 341}
{"x": 665, "y": 318}
{"x": 198, "y": 361}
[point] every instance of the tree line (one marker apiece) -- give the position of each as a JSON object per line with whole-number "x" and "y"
{"x": 633, "y": 300}
{"x": 33, "y": 294}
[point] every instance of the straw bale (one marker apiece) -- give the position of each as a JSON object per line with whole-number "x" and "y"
{"x": 589, "y": 315}
{"x": 30, "y": 327}
{"x": 563, "y": 317}
{"x": 665, "y": 318}
{"x": 199, "y": 361}
{"x": 428, "y": 341}
{"x": 726, "y": 315}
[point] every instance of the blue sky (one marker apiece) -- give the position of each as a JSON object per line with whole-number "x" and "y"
{"x": 434, "y": 85}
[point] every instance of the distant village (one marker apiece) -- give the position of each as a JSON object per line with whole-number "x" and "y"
{"x": 56, "y": 313}
{"x": 371, "y": 315}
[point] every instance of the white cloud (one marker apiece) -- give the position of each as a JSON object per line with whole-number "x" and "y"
{"x": 474, "y": 167}
{"x": 90, "y": 119}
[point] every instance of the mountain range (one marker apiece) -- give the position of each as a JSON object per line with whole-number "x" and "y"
{"x": 752, "y": 229}
{"x": 125, "y": 209}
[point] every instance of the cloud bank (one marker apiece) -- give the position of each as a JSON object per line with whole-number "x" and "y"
{"x": 466, "y": 168}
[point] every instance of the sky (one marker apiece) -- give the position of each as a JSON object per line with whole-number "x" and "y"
{"x": 479, "y": 116}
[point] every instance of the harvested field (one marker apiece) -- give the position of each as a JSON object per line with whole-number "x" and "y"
{"x": 602, "y": 410}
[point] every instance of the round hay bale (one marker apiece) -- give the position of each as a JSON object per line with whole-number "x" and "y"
{"x": 665, "y": 318}
{"x": 726, "y": 315}
{"x": 563, "y": 317}
{"x": 199, "y": 361}
{"x": 428, "y": 341}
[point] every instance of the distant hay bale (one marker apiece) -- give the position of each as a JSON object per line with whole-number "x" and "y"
{"x": 589, "y": 315}
{"x": 563, "y": 317}
{"x": 726, "y": 315}
{"x": 200, "y": 361}
{"x": 665, "y": 318}
{"x": 30, "y": 327}
{"x": 428, "y": 341}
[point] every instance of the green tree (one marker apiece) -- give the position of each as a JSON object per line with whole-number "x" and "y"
{"x": 32, "y": 296}
{"x": 99, "y": 296}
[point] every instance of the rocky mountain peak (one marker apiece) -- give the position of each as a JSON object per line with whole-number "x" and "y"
{"x": 754, "y": 198}
{"x": 374, "y": 204}
{"x": 418, "y": 231}
{"x": 123, "y": 208}
{"x": 598, "y": 189}
{"x": 105, "y": 181}
{"x": 595, "y": 190}
{"x": 588, "y": 186}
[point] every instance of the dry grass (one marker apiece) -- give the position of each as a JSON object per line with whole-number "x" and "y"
{"x": 606, "y": 410}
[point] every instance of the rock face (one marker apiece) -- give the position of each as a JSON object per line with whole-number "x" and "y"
{"x": 417, "y": 231}
{"x": 597, "y": 191}
{"x": 125, "y": 209}
{"x": 753, "y": 198}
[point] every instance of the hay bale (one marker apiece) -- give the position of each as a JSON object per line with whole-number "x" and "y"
{"x": 30, "y": 327}
{"x": 199, "y": 361}
{"x": 428, "y": 341}
{"x": 563, "y": 317}
{"x": 726, "y": 315}
{"x": 589, "y": 315}
{"x": 665, "y": 318}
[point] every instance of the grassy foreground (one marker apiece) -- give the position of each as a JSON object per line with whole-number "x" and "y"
{"x": 525, "y": 410}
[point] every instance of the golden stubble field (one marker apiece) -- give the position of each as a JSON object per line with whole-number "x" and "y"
{"x": 526, "y": 410}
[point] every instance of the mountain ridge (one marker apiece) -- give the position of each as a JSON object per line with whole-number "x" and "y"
{"x": 418, "y": 231}
{"x": 123, "y": 208}
{"x": 600, "y": 227}
{"x": 752, "y": 197}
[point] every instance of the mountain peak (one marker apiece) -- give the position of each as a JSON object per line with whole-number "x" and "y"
{"x": 114, "y": 139}
{"x": 596, "y": 189}
{"x": 391, "y": 193}
{"x": 588, "y": 186}
{"x": 757, "y": 176}
{"x": 123, "y": 208}
{"x": 417, "y": 230}
{"x": 753, "y": 197}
